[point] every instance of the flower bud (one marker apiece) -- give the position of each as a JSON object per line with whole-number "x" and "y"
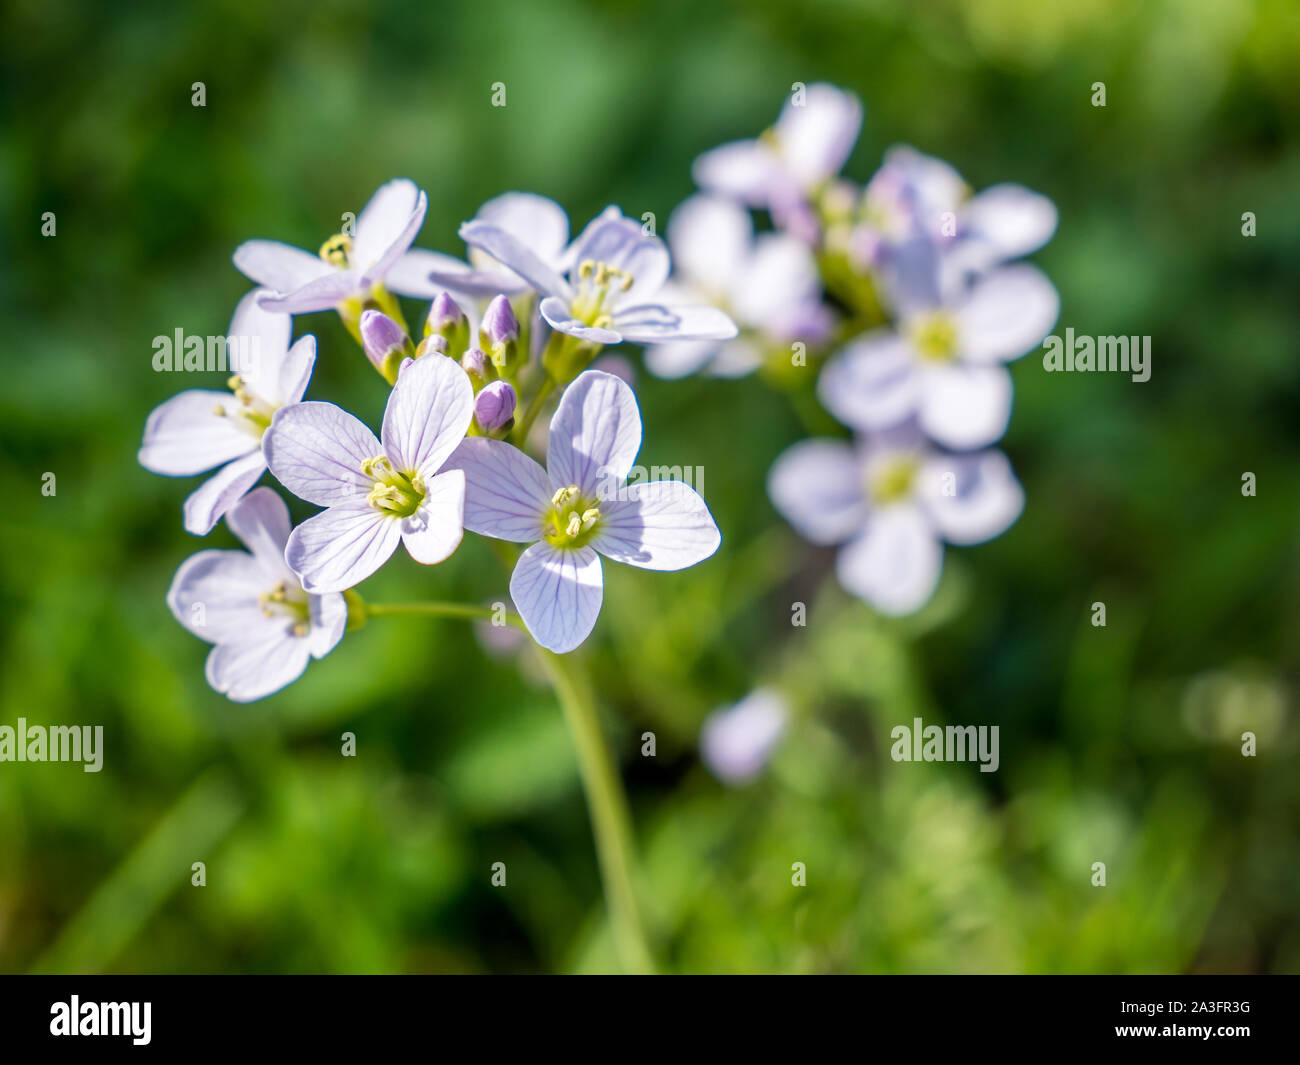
{"x": 386, "y": 343}
{"x": 499, "y": 335}
{"x": 494, "y": 408}
{"x": 478, "y": 367}
{"x": 446, "y": 323}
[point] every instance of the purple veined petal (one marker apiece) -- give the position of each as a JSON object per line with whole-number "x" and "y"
{"x": 252, "y": 669}
{"x": 183, "y": 436}
{"x": 569, "y": 257}
{"x": 323, "y": 294}
{"x": 895, "y": 563}
{"x": 295, "y": 371}
{"x": 261, "y": 339}
{"x": 595, "y": 434}
{"x": 874, "y": 383}
{"x": 964, "y": 407}
{"x": 747, "y": 170}
{"x": 329, "y": 620}
{"x": 651, "y": 323}
{"x": 410, "y": 275}
{"x": 818, "y": 486}
{"x": 560, "y": 318}
{"x": 434, "y": 531}
{"x": 620, "y": 243}
{"x": 316, "y": 450}
{"x": 212, "y": 500}
{"x": 506, "y": 492}
{"x": 387, "y": 225}
{"x": 515, "y": 256}
{"x": 657, "y": 525}
{"x": 970, "y": 498}
{"x": 261, "y": 522}
{"x": 736, "y": 741}
{"x": 678, "y": 358}
{"x": 478, "y": 284}
{"x": 817, "y": 135}
{"x": 341, "y": 547}
{"x": 535, "y": 221}
{"x": 781, "y": 275}
{"x": 1013, "y": 219}
{"x": 215, "y": 595}
{"x": 710, "y": 238}
{"x": 1007, "y": 314}
{"x": 280, "y": 267}
{"x": 558, "y": 594}
{"x": 428, "y": 414}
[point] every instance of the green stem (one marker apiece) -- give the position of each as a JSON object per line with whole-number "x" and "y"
{"x": 534, "y": 409}
{"x": 607, "y": 805}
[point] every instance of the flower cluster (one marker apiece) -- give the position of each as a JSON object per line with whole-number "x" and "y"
{"x": 517, "y": 324}
{"x": 905, "y": 295}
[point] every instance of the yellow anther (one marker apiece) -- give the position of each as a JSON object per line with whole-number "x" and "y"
{"x": 337, "y": 250}
{"x": 586, "y": 268}
{"x": 590, "y": 517}
{"x": 301, "y": 628}
{"x": 575, "y": 524}
{"x": 219, "y": 410}
{"x": 564, "y": 495}
{"x": 235, "y": 383}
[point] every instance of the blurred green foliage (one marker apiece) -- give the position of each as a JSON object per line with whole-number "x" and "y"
{"x": 1118, "y": 744}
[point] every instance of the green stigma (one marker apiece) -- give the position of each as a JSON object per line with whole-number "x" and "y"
{"x": 893, "y": 480}
{"x": 935, "y": 336}
{"x": 337, "y": 251}
{"x": 281, "y": 601}
{"x": 572, "y": 520}
{"x": 394, "y": 493}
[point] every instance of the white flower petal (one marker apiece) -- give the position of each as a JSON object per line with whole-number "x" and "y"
{"x": 873, "y": 384}
{"x": 261, "y": 522}
{"x": 652, "y": 323}
{"x": 183, "y": 436}
{"x": 316, "y": 450}
{"x": 678, "y": 358}
{"x": 537, "y": 222}
{"x": 558, "y": 594}
{"x": 323, "y": 294}
{"x": 971, "y": 498}
{"x": 1007, "y": 313}
{"x": 736, "y": 741}
{"x": 296, "y": 370}
{"x": 329, "y": 620}
{"x": 595, "y": 434}
{"x": 818, "y": 487}
{"x": 1012, "y": 219}
{"x": 255, "y": 668}
{"x": 341, "y": 547}
{"x": 781, "y": 275}
{"x": 964, "y": 407}
{"x": 208, "y": 503}
{"x": 516, "y": 256}
{"x": 262, "y": 337}
{"x": 558, "y": 316}
{"x": 434, "y": 531}
{"x": 428, "y": 414}
{"x": 894, "y": 565}
{"x": 411, "y": 274}
{"x": 747, "y": 170}
{"x": 710, "y": 238}
{"x": 215, "y": 595}
{"x": 621, "y": 244}
{"x": 280, "y": 267}
{"x": 815, "y": 136}
{"x": 506, "y": 492}
{"x": 659, "y": 525}
{"x": 391, "y": 218}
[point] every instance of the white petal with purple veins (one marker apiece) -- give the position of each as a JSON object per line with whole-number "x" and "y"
{"x": 208, "y": 503}
{"x": 329, "y": 620}
{"x": 341, "y": 547}
{"x": 506, "y": 492}
{"x": 262, "y": 337}
{"x": 895, "y": 563}
{"x": 184, "y": 436}
{"x": 410, "y": 275}
{"x": 323, "y": 294}
{"x": 295, "y": 371}
{"x": 255, "y": 668}
{"x": 434, "y": 531}
{"x": 595, "y": 433}
{"x": 558, "y": 316}
{"x": 514, "y": 254}
{"x": 558, "y": 594}
{"x": 280, "y": 267}
{"x": 652, "y": 323}
{"x": 534, "y": 220}
{"x": 387, "y": 225}
{"x": 428, "y": 413}
{"x": 261, "y": 521}
{"x": 215, "y": 595}
{"x": 659, "y": 525}
{"x": 818, "y": 487}
{"x": 316, "y": 450}
{"x": 621, "y": 244}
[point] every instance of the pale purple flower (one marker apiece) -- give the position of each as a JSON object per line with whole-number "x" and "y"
{"x": 376, "y": 493}
{"x": 737, "y": 741}
{"x": 788, "y": 164}
{"x": 346, "y": 267}
{"x": 769, "y": 285}
{"x": 200, "y": 429}
{"x": 578, "y": 509}
{"x": 537, "y": 223}
{"x": 892, "y": 502}
{"x": 609, "y": 294}
{"x": 264, "y": 626}
{"x": 943, "y": 364}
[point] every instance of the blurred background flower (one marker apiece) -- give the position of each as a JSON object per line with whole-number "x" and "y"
{"x": 1118, "y": 744}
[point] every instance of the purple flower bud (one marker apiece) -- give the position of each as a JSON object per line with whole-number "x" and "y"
{"x": 385, "y": 342}
{"x": 494, "y": 406}
{"x": 478, "y": 366}
{"x": 500, "y": 325}
{"x": 444, "y": 314}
